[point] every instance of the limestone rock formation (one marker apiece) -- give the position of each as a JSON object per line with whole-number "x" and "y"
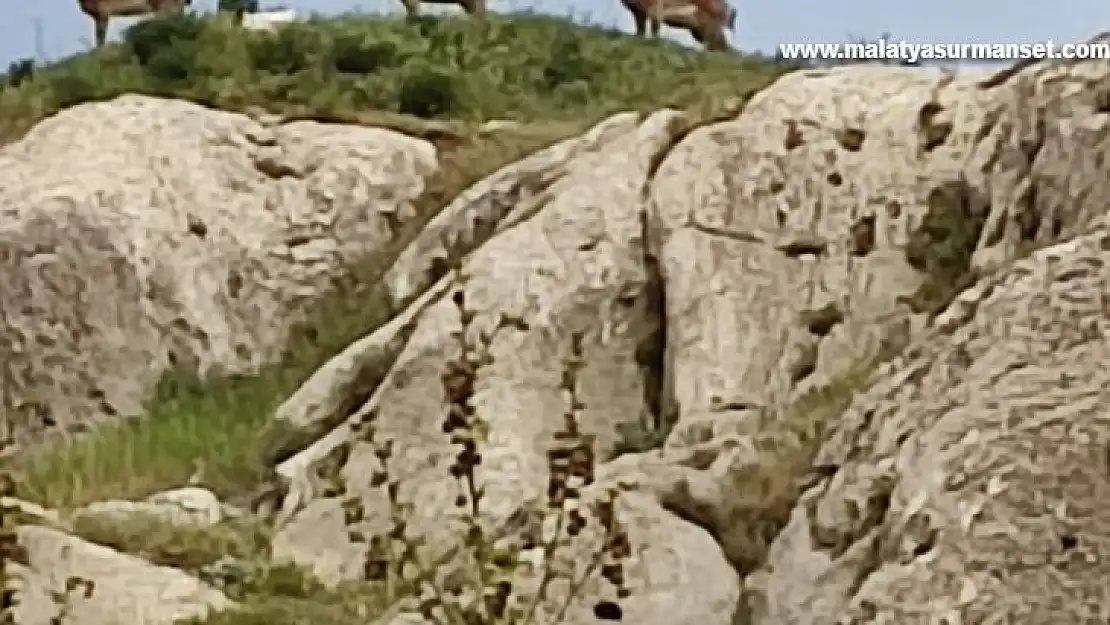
{"x": 780, "y": 234}
{"x": 575, "y": 265}
{"x": 141, "y": 232}
{"x": 771, "y": 257}
{"x": 872, "y": 305}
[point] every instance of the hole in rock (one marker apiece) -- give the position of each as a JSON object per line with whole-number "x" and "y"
{"x": 608, "y": 611}
{"x": 862, "y": 240}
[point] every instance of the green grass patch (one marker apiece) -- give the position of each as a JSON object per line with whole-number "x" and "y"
{"x": 185, "y": 546}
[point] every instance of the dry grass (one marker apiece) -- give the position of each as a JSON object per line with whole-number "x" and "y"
{"x": 789, "y": 440}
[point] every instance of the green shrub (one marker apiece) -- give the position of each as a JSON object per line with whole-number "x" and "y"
{"x": 19, "y": 72}
{"x": 73, "y": 88}
{"x": 356, "y": 53}
{"x": 568, "y": 63}
{"x": 292, "y": 49}
{"x": 943, "y": 245}
{"x": 168, "y": 49}
{"x": 153, "y": 37}
{"x": 429, "y": 93}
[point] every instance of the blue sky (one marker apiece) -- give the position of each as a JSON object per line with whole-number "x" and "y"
{"x": 761, "y": 24}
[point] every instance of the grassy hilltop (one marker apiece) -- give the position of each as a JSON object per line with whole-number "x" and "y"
{"x": 522, "y": 67}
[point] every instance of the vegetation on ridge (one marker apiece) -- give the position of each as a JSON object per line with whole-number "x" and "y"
{"x": 521, "y": 67}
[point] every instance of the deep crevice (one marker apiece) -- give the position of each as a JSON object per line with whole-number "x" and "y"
{"x": 796, "y": 248}
{"x": 862, "y": 241}
{"x": 659, "y": 415}
{"x": 932, "y": 134}
{"x": 820, "y": 321}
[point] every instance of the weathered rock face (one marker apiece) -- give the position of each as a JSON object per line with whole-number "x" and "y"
{"x": 717, "y": 276}
{"x": 140, "y": 230}
{"x": 972, "y": 476}
{"x": 575, "y": 265}
{"x": 770, "y": 251}
{"x": 1039, "y": 172}
{"x": 780, "y": 234}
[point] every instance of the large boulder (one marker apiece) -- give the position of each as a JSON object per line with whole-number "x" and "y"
{"x": 971, "y": 477}
{"x": 968, "y": 480}
{"x": 572, "y": 264}
{"x": 143, "y": 233}
{"x": 780, "y": 234}
{"x": 726, "y": 276}
{"x": 66, "y": 579}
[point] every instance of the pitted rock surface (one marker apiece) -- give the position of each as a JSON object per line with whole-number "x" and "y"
{"x": 777, "y": 239}
{"x": 1039, "y": 172}
{"x": 972, "y": 477}
{"x": 780, "y": 233}
{"x": 140, "y": 232}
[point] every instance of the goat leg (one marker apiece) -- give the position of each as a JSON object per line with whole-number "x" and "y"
{"x": 100, "y": 26}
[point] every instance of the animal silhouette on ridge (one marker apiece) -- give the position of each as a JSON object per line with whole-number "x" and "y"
{"x": 706, "y": 20}
{"x": 102, "y": 11}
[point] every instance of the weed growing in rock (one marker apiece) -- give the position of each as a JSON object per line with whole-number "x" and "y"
{"x": 506, "y": 574}
{"x": 942, "y": 247}
{"x": 10, "y": 551}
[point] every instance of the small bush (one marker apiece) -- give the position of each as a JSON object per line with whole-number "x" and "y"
{"x": 292, "y": 49}
{"x": 429, "y": 93}
{"x": 569, "y": 64}
{"x": 19, "y": 72}
{"x": 943, "y": 245}
{"x": 354, "y": 53}
{"x": 153, "y": 37}
{"x": 70, "y": 89}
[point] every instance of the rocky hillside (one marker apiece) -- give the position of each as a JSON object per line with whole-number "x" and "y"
{"x": 827, "y": 353}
